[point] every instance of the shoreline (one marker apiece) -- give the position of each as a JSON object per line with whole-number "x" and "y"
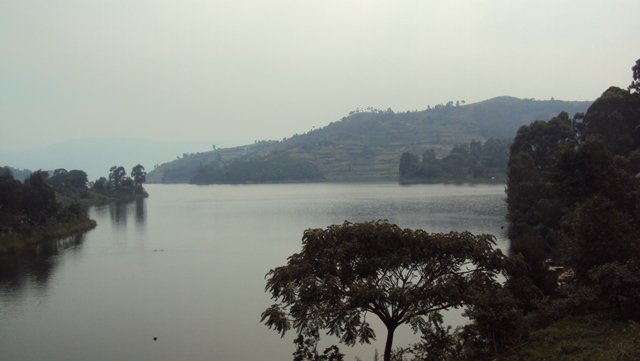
{"x": 15, "y": 243}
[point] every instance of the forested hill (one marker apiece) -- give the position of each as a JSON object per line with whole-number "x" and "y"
{"x": 366, "y": 145}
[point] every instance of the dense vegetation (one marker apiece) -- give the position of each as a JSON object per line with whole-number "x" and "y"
{"x": 402, "y": 276}
{"x": 573, "y": 197}
{"x": 470, "y": 162}
{"x": 572, "y": 279}
{"x": 73, "y": 186}
{"x": 264, "y": 170}
{"x": 367, "y": 145}
{"x": 46, "y": 207}
{"x": 573, "y": 193}
{"x": 29, "y": 213}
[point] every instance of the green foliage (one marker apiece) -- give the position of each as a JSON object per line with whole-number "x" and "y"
{"x": 473, "y": 161}
{"x": 119, "y": 186}
{"x": 348, "y": 271}
{"x": 410, "y": 165}
{"x": 38, "y": 199}
{"x": 29, "y": 212}
{"x": 265, "y": 170}
{"x": 580, "y": 338}
{"x": 46, "y": 207}
{"x": 617, "y": 284}
{"x": 533, "y": 203}
{"x": 139, "y": 176}
{"x": 100, "y": 185}
{"x": 307, "y": 349}
{"x": 368, "y": 145}
{"x": 573, "y": 195}
{"x": 615, "y": 119}
{"x": 73, "y": 187}
{"x": 117, "y": 176}
{"x": 70, "y": 184}
{"x": 497, "y": 324}
{"x": 437, "y": 342}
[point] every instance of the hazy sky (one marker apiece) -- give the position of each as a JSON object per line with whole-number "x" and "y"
{"x": 265, "y": 69}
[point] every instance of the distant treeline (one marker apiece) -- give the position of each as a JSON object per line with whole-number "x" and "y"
{"x": 73, "y": 186}
{"x": 29, "y": 212}
{"x": 264, "y": 170}
{"x": 45, "y": 207}
{"x": 474, "y": 161}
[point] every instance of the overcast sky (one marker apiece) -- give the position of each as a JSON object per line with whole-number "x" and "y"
{"x": 242, "y": 70}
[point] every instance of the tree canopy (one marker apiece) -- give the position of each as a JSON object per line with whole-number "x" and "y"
{"x": 472, "y": 161}
{"x": 347, "y": 271}
{"x": 573, "y": 195}
{"x": 262, "y": 170}
{"x": 119, "y": 183}
{"x": 635, "y": 84}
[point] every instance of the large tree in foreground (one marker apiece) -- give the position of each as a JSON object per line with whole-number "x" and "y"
{"x": 348, "y": 271}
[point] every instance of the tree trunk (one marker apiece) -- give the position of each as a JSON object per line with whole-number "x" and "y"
{"x": 389, "y": 344}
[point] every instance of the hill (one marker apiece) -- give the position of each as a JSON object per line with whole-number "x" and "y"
{"x": 367, "y": 146}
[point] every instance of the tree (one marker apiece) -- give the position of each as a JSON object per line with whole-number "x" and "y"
{"x": 100, "y": 184}
{"x": 409, "y": 165}
{"x": 139, "y": 176}
{"x": 62, "y": 180}
{"x": 573, "y": 196}
{"x": 38, "y": 198}
{"x": 116, "y": 176}
{"x": 534, "y": 209}
{"x": 347, "y": 271}
{"x": 615, "y": 118}
{"x": 635, "y": 84}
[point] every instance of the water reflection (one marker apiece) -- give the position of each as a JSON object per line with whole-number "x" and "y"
{"x": 194, "y": 276}
{"x": 33, "y": 269}
{"x": 120, "y": 212}
{"x": 141, "y": 211}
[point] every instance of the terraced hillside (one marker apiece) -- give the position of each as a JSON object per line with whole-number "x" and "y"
{"x": 366, "y": 146}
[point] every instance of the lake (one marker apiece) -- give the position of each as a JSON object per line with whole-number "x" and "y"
{"x": 187, "y": 266}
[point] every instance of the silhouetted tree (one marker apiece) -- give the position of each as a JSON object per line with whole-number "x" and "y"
{"x": 409, "y": 165}
{"x": 464, "y": 162}
{"x": 614, "y": 118}
{"x": 139, "y": 176}
{"x": 573, "y": 194}
{"x": 400, "y": 275}
{"x": 116, "y": 176}
{"x": 635, "y": 84}
{"x": 62, "y": 180}
{"x": 100, "y": 184}
{"x": 38, "y": 198}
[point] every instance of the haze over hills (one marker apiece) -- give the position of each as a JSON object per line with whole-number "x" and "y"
{"x": 96, "y": 155}
{"x": 364, "y": 146}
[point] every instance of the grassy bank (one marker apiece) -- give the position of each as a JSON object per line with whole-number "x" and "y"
{"x": 582, "y": 338}
{"x": 29, "y": 237}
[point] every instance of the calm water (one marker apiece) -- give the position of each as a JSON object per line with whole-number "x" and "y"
{"x": 187, "y": 266}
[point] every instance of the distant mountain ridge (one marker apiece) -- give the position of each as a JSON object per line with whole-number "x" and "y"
{"x": 96, "y": 155}
{"x": 366, "y": 146}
